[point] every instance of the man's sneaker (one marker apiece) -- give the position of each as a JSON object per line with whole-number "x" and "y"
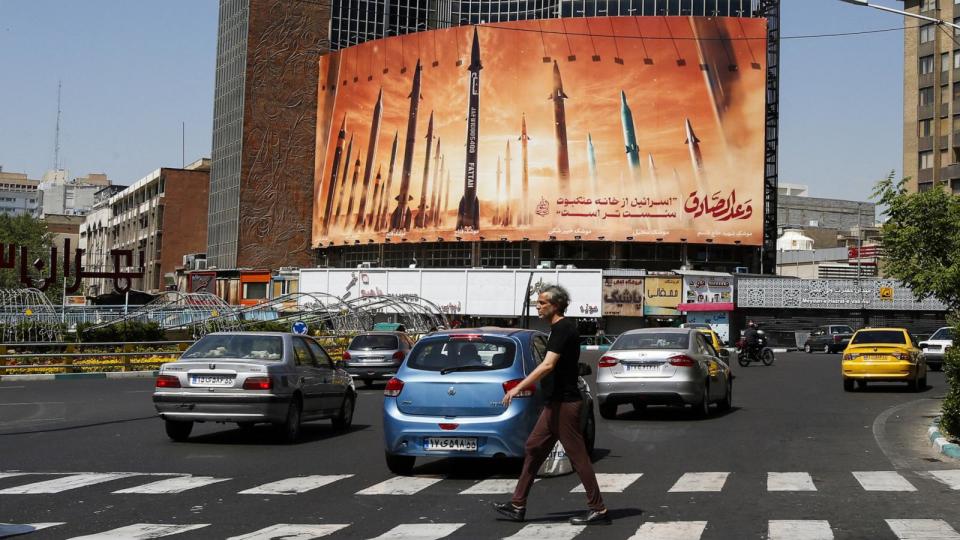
{"x": 509, "y": 511}
{"x": 592, "y": 518}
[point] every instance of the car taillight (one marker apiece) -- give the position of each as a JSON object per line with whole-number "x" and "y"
{"x": 607, "y": 361}
{"x": 257, "y": 383}
{"x": 346, "y": 355}
{"x": 398, "y": 355}
{"x": 510, "y": 385}
{"x": 903, "y": 356}
{"x": 466, "y": 337}
{"x": 394, "y": 386}
{"x": 850, "y": 356}
{"x": 168, "y": 381}
{"x": 449, "y": 427}
{"x": 682, "y": 360}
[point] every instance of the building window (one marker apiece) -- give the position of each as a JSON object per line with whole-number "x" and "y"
{"x": 925, "y": 128}
{"x": 926, "y": 65}
{"x": 955, "y": 183}
{"x": 928, "y": 5}
{"x": 945, "y": 61}
{"x": 956, "y": 31}
{"x": 254, "y": 291}
{"x": 926, "y": 96}
{"x": 927, "y": 32}
{"x": 924, "y": 186}
{"x": 926, "y": 160}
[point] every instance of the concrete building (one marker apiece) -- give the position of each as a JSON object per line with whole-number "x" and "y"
{"x": 18, "y": 194}
{"x": 796, "y": 190}
{"x": 69, "y": 197}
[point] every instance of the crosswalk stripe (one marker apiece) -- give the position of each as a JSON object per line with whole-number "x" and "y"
{"x": 173, "y": 485}
{"x": 670, "y": 530}
{"x": 790, "y": 481}
{"x": 142, "y": 531}
{"x": 491, "y": 486}
{"x": 700, "y": 481}
{"x": 289, "y": 531}
{"x": 420, "y": 531}
{"x": 553, "y": 531}
{"x": 63, "y": 484}
{"x": 883, "y": 481}
{"x": 400, "y": 485}
{"x": 921, "y": 529}
{"x": 295, "y": 485}
{"x": 17, "y": 529}
{"x": 950, "y": 478}
{"x": 799, "y": 529}
{"x": 12, "y": 474}
{"x": 611, "y": 483}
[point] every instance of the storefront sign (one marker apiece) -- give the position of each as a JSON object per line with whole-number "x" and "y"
{"x": 623, "y": 297}
{"x": 871, "y": 294}
{"x": 661, "y": 296}
{"x": 708, "y": 289}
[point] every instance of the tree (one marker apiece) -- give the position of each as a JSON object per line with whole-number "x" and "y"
{"x": 921, "y": 248}
{"x": 26, "y": 230}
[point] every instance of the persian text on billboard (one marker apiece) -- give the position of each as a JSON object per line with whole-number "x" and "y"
{"x": 623, "y": 297}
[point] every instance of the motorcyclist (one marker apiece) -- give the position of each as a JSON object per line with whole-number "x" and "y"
{"x": 752, "y": 338}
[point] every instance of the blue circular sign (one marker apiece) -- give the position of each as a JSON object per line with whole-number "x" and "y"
{"x": 300, "y": 327}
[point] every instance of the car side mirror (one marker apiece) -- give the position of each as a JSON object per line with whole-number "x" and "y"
{"x": 584, "y": 369}
{"x": 724, "y": 354}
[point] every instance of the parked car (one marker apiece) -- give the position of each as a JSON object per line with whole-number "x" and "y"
{"x": 446, "y": 398}
{"x": 713, "y": 338}
{"x": 829, "y": 339}
{"x": 883, "y": 354}
{"x": 663, "y": 366}
{"x": 376, "y": 355}
{"x": 252, "y": 377}
{"x": 935, "y": 347}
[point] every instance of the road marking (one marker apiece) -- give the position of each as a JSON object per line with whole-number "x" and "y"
{"x": 16, "y": 529}
{"x": 420, "y": 531}
{"x": 950, "y": 478}
{"x": 883, "y": 481}
{"x": 492, "y": 486}
{"x": 700, "y": 481}
{"x": 921, "y": 529}
{"x": 401, "y": 485}
{"x": 142, "y": 531}
{"x": 295, "y": 485}
{"x": 611, "y": 483}
{"x": 63, "y": 484}
{"x": 790, "y": 481}
{"x": 670, "y": 530}
{"x": 289, "y": 531}
{"x": 174, "y": 485}
{"x": 805, "y": 529}
{"x": 12, "y": 474}
{"x": 553, "y": 531}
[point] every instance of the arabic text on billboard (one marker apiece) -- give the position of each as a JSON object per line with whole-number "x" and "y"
{"x": 623, "y": 297}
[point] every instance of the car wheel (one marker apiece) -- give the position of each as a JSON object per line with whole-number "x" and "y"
{"x": 401, "y": 465}
{"x": 290, "y": 428}
{"x": 827, "y": 349}
{"x": 178, "y": 431}
{"x": 608, "y": 410}
{"x": 807, "y": 349}
{"x": 727, "y": 402}
{"x": 344, "y": 418}
{"x": 767, "y": 357}
{"x": 743, "y": 359}
{"x": 702, "y": 408}
{"x": 848, "y": 385}
{"x": 590, "y": 434}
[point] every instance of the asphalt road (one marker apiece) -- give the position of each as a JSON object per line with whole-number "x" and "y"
{"x": 861, "y": 459}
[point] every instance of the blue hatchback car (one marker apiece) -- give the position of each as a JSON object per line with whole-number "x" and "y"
{"x": 446, "y": 398}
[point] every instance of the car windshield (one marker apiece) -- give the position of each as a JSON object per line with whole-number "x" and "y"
{"x": 943, "y": 333}
{"x": 652, "y": 341}
{"x": 841, "y": 330}
{"x": 374, "y": 342}
{"x": 463, "y": 353}
{"x": 254, "y": 347}
{"x": 879, "y": 336}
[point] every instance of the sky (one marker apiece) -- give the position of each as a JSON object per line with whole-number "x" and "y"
{"x": 133, "y": 71}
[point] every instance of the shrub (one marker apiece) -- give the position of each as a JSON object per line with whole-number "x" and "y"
{"x": 950, "y": 421}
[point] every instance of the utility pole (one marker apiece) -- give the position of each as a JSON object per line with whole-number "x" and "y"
{"x": 56, "y": 143}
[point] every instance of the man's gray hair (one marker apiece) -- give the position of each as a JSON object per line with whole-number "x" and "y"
{"x": 557, "y": 295}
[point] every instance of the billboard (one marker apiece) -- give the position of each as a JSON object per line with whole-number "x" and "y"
{"x": 604, "y": 128}
{"x": 623, "y": 296}
{"x": 661, "y": 296}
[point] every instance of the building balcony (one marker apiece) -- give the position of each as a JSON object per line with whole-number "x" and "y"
{"x": 926, "y": 49}
{"x": 950, "y": 172}
{"x": 943, "y": 142}
{"x": 925, "y": 175}
{"x": 927, "y": 79}
{"x": 924, "y": 144}
{"x": 925, "y": 112}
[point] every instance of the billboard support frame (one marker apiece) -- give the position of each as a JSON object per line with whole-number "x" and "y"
{"x": 768, "y": 254}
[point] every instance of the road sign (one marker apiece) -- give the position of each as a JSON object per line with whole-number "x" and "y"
{"x": 300, "y": 327}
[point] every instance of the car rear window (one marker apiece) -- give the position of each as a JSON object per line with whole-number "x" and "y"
{"x": 481, "y": 353}
{"x": 878, "y": 336}
{"x": 943, "y": 333}
{"x": 841, "y": 330}
{"x": 652, "y": 341}
{"x": 236, "y": 346}
{"x": 374, "y": 342}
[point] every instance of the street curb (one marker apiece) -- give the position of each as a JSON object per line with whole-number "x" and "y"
{"x": 71, "y": 376}
{"x": 944, "y": 446}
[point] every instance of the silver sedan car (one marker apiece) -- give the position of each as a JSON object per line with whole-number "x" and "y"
{"x": 250, "y": 377}
{"x": 663, "y": 366}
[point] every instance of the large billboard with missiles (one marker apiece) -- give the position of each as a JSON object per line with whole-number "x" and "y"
{"x": 610, "y": 128}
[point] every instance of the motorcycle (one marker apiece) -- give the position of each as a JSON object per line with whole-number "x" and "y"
{"x": 761, "y": 353}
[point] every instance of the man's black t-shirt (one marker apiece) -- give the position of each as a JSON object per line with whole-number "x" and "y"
{"x": 565, "y": 341}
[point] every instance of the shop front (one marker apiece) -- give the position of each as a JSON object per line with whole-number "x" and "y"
{"x": 708, "y": 298}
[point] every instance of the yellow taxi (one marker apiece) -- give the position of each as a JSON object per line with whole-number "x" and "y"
{"x": 883, "y": 354}
{"x": 712, "y": 337}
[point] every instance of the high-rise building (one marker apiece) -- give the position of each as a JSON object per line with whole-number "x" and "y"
{"x": 18, "y": 194}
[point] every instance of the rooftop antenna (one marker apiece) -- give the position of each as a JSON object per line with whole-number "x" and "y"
{"x": 56, "y": 145}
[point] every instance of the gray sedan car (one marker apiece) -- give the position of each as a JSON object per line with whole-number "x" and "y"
{"x": 663, "y": 366}
{"x": 375, "y": 356}
{"x": 251, "y": 377}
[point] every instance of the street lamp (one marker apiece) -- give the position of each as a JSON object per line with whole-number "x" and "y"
{"x": 865, "y": 3}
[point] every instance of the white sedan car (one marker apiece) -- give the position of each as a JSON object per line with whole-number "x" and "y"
{"x": 936, "y": 347}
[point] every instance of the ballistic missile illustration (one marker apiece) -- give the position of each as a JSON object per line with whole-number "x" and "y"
{"x": 334, "y": 170}
{"x": 653, "y": 169}
{"x": 446, "y": 194}
{"x": 346, "y": 179}
{"x": 400, "y": 220}
{"x": 496, "y": 212}
{"x": 524, "y": 218}
{"x": 432, "y": 213}
{"x": 353, "y": 191}
{"x": 629, "y": 137}
{"x": 696, "y": 158}
{"x": 592, "y": 163}
{"x": 421, "y": 219}
{"x": 560, "y": 125}
{"x": 382, "y": 215}
{"x": 505, "y": 215}
{"x": 368, "y": 220}
{"x": 468, "y": 213}
{"x": 371, "y": 155}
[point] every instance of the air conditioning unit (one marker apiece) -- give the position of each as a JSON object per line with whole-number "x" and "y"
{"x": 545, "y": 264}
{"x": 741, "y": 270}
{"x": 188, "y": 260}
{"x": 199, "y": 264}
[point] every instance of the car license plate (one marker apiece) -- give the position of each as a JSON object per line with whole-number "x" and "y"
{"x": 443, "y": 444}
{"x": 211, "y": 380}
{"x": 641, "y": 367}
